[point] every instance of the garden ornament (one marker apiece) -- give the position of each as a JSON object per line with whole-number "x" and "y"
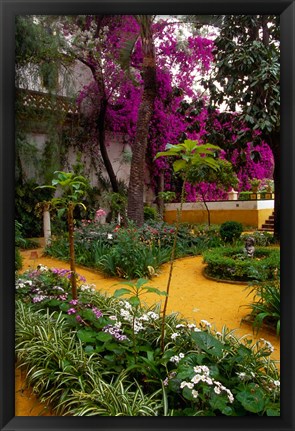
{"x": 249, "y": 246}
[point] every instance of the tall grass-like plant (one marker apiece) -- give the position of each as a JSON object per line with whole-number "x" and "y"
{"x": 73, "y": 188}
{"x": 190, "y": 155}
{"x": 117, "y": 398}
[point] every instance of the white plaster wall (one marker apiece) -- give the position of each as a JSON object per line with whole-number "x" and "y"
{"x": 223, "y": 205}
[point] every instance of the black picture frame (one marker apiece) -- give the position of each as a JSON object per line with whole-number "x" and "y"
{"x": 10, "y": 8}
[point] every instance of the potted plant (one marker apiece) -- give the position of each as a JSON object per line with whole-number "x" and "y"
{"x": 255, "y": 183}
{"x": 269, "y": 188}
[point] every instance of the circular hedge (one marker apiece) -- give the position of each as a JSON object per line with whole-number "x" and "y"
{"x": 232, "y": 263}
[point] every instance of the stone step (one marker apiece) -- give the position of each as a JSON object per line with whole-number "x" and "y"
{"x": 268, "y": 225}
{"x": 266, "y": 229}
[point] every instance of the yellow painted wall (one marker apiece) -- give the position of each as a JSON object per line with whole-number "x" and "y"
{"x": 251, "y": 217}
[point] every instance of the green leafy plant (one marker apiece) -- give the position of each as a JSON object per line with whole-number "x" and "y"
{"x": 26, "y": 199}
{"x": 18, "y": 260}
{"x": 129, "y": 257}
{"x": 266, "y": 305}
{"x": 201, "y": 372}
{"x": 74, "y": 350}
{"x": 138, "y": 252}
{"x": 167, "y": 196}
{"x": 244, "y": 196}
{"x": 150, "y": 213}
{"x": 135, "y": 291}
{"x": 19, "y": 242}
{"x": 190, "y": 155}
{"x": 255, "y": 183}
{"x": 43, "y": 285}
{"x": 117, "y": 202}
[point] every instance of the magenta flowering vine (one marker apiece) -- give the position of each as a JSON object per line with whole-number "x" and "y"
{"x": 180, "y": 110}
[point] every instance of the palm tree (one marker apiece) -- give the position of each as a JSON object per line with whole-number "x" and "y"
{"x": 136, "y": 181}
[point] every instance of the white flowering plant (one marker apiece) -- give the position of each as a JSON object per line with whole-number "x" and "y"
{"x": 221, "y": 375}
{"x": 133, "y": 313}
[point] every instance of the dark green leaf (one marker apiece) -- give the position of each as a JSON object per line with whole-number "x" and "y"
{"x": 104, "y": 336}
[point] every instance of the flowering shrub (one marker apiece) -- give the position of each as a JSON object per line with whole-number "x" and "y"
{"x": 45, "y": 283}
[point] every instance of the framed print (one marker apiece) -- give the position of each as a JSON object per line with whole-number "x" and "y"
{"x": 245, "y": 405}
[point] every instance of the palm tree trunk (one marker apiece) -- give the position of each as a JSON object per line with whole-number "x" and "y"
{"x": 136, "y": 182}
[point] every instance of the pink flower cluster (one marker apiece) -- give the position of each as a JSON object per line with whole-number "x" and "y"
{"x": 100, "y": 213}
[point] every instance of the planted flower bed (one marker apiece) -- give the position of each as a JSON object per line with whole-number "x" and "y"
{"x": 101, "y": 355}
{"x": 131, "y": 252}
{"x": 232, "y": 263}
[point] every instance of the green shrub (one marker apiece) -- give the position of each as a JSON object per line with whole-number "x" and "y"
{"x": 230, "y": 231}
{"x": 58, "y": 247}
{"x": 244, "y": 196}
{"x": 150, "y": 213}
{"x": 26, "y": 199}
{"x": 262, "y": 239}
{"x": 232, "y": 263}
{"x": 18, "y": 234}
{"x": 130, "y": 257}
{"x": 266, "y": 306}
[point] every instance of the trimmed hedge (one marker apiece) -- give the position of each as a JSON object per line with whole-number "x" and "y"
{"x": 231, "y": 263}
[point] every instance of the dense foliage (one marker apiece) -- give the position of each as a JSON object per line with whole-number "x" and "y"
{"x": 132, "y": 252}
{"x": 90, "y": 354}
{"x": 104, "y": 357}
{"x": 246, "y": 77}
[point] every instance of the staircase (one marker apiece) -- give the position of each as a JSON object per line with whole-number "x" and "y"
{"x": 269, "y": 224}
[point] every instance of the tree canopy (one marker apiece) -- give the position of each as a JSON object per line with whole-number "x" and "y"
{"x": 161, "y": 81}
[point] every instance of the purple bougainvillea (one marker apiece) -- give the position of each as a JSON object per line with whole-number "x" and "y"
{"x": 180, "y": 111}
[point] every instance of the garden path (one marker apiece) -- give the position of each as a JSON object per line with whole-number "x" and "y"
{"x": 191, "y": 294}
